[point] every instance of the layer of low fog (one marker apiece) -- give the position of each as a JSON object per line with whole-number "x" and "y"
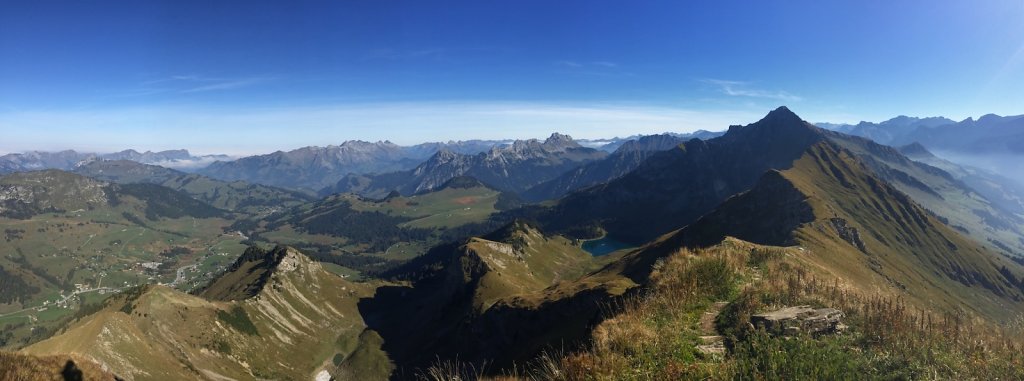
{"x": 1004, "y": 164}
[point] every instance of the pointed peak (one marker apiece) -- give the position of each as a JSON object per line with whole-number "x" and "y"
{"x": 557, "y": 137}
{"x": 915, "y": 150}
{"x": 513, "y": 230}
{"x": 780, "y": 121}
{"x": 441, "y": 157}
{"x": 559, "y": 142}
{"x": 782, "y": 113}
{"x": 250, "y": 273}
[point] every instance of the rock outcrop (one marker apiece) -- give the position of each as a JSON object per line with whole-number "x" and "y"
{"x": 792, "y": 321}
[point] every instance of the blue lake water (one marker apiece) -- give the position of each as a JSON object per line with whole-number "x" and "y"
{"x": 599, "y": 247}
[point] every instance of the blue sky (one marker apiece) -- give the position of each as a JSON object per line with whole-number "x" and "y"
{"x": 249, "y": 76}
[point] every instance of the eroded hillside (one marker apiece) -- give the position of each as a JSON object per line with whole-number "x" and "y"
{"x": 297, "y": 321}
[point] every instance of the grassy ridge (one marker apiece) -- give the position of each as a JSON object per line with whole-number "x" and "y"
{"x": 303, "y": 319}
{"x": 656, "y": 334}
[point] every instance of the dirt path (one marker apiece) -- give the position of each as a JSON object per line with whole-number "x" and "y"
{"x": 711, "y": 341}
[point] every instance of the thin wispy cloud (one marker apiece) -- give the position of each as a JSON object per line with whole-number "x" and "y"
{"x": 745, "y": 89}
{"x": 592, "y": 64}
{"x": 192, "y": 83}
{"x": 228, "y": 84}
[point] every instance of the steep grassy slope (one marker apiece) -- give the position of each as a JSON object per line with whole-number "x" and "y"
{"x": 987, "y": 216}
{"x": 302, "y": 321}
{"x": 246, "y": 277}
{"x": 867, "y": 233}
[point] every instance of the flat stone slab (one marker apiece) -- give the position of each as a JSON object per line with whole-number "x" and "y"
{"x": 714, "y": 349}
{"x": 793, "y": 320}
{"x": 710, "y": 339}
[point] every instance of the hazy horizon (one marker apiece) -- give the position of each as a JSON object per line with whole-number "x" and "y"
{"x": 113, "y": 147}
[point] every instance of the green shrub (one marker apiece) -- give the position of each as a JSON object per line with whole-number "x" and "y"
{"x": 763, "y": 356}
{"x": 713, "y": 277}
{"x": 222, "y": 347}
{"x": 239, "y": 320}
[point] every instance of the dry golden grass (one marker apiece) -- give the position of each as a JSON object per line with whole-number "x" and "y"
{"x": 21, "y": 367}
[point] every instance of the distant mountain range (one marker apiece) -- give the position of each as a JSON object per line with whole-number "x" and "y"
{"x": 313, "y": 168}
{"x": 992, "y": 142}
{"x": 894, "y": 130}
{"x": 624, "y": 159}
{"x": 988, "y": 134}
{"x": 610, "y": 145}
{"x": 515, "y": 167}
{"x": 353, "y": 165}
{"x": 309, "y": 169}
{"x": 69, "y": 159}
